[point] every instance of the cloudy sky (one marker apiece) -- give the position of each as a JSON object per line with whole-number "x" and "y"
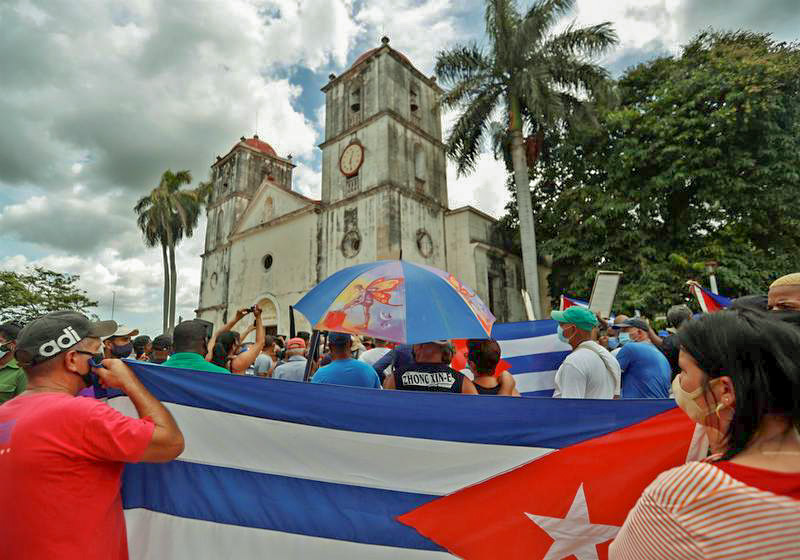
{"x": 98, "y": 98}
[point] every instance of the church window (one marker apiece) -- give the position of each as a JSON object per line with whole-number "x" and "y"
{"x": 269, "y": 209}
{"x": 213, "y": 280}
{"x": 220, "y": 226}
{"x": 266, "y": 261}
{"x": 355, "y": 100}
{"x": 351, "y": 244}
{"x": 420, "y": 167}
{"x": 414, "y": 100}
{"x": 424, "y": 243}
{"x": 352, "y": 184}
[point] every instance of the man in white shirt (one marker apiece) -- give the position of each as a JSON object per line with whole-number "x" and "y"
{"x": 376, "y": 353}
{"x": 590, "y": 371}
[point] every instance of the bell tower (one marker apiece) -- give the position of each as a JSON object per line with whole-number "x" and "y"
{"x": 384, "y": 183}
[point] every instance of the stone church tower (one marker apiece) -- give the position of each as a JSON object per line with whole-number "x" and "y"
{"x": 383, "y": 196}
{"x": 383, "y": 164}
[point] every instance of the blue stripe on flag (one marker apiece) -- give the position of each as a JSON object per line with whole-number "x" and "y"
{"x": 279, "y": 503}
{"x": 523, "y": 329}
{"x": 436, "y": 416}
{"x": 546, "y": 361}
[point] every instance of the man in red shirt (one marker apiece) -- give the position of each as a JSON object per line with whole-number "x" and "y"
{"x": 61, "y": 456}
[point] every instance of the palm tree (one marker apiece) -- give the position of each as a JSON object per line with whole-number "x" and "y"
{"x": 166, "y": 216}
{"x": 537, "y": 79}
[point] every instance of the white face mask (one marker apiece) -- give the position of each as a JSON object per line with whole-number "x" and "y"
{"x": 686, "y": 400}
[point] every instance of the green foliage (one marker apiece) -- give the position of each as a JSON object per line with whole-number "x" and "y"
{"x": 700, "y": 161}
{"x": 37, "y": 291}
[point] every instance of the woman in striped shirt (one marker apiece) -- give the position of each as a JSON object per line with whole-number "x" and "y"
{"x": 740, "y": 379}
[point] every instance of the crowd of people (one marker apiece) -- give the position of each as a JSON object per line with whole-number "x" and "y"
{"x": 735, "y": 373}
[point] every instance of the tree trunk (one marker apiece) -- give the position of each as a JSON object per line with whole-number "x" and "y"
{"x": 527, "y": 229}
{"x": 165, "y": 309}
{"x": 173, "y": 277}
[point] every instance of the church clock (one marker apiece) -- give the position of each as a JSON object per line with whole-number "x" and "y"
{"x": 351, "y": 159}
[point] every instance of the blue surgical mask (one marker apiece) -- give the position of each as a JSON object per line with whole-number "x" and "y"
{"x": 122, "y": 351}
{"x": 613, "y": 343}
{"x": 561, "y": 337}
{"x": 624, "y": 338}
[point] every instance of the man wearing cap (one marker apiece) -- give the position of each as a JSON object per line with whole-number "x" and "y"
{"x": 190, "y": 342}
{"x": 590, "y": 371}
{"x": 784, "y": 293}
{"x": 344, "y": 369}
{"x": 294, "y": 366}
{"x": 61, "y": 456}
{"x": 12, "y": 378}
{"x": 429, "y": 372}
{"x": 162, "y": 349}
{"x": 119, "y": 344}
{"x": 646, "y": 373}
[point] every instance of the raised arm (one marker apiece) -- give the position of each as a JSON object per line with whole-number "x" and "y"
{"x": 245, "y": 359}
{"x": 167, "y": 441}
{"x": 226, "y": 327}
{"x": 508, "y": 385}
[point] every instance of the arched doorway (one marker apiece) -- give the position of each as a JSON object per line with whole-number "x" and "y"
{"x": 269, "y": 314}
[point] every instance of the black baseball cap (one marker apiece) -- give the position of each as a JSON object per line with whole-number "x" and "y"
{"x": 57, "y": 332}
{"x": 162, "y": 342}
{"x": 10, "y": 330}
{"x": 339, "y": 339}
{"x": 633, "y": 322}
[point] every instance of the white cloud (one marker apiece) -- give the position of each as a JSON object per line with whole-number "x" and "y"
{"x": 485, "y": 188}
{"x": 417, "y": 29}
{"x": 307, "y": 181}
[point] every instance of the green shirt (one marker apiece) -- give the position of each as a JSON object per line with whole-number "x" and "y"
{"x": 12, "y": 381}
{"x": 192, "y": 360}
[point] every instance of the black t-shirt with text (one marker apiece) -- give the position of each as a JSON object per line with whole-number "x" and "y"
{"x": 439, "y": 378}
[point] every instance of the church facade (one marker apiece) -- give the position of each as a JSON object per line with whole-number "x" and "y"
{"x": 383, "y": 196}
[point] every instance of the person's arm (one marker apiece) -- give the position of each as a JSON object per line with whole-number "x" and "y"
{"x": 384, "y": 362}
{"x": 654, "y": 338}
{"x": 388, "y": 382}
{"x": 467, "y": 387}
{"x": 225, "y": 328}
{"x": 167, "y": 441}
{"x": 247, "y": 332}
{"x": 508, "y": 385}
{"x": 244, "y": 360}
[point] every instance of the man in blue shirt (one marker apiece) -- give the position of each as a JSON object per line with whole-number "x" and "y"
{"x": 646, "y": 372}
{"x": 344, "y": 370}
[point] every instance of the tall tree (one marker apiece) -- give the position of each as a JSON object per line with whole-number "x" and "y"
{"x": 536, "y": 79}
{"x": 27, "y": 295}
{"x": 165, "y": 216}
{"x": 699, "y": 161}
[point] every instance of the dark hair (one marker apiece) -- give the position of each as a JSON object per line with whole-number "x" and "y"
{"x": 140, "y": 343}
{"x": 756, "y": 301}
{"x": 10, "y": 330}
{"x": 304, "y": 335}
{"x": 190, "y": 336}
{"x": 268, "y": 341}
{"x": 222, "y": 349}
{"x": 760, "y": 354}
{"x": 678, "y": 314}
{"x": 485, "y": 354}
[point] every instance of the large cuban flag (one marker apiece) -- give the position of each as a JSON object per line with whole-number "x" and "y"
{"x": 285, "y": 470}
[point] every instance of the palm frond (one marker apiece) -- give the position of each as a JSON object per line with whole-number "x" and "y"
{"x": 464, "y": 140}
{"x": 461, "y": 63}
{"x": 539, "y": 18}
{"x": 587, "y": 41}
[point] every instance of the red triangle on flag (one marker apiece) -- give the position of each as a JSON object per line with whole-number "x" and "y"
{"x": 489, "y": 521}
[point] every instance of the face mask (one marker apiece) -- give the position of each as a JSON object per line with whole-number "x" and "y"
{"x": 122, "y": 351}
{"x": 613, "y": 343}
{"x": 6, "y": 348}
{"x": 624, "y": 338}
{"x": 686, "y": 400}
{"x": 560, "y": 334}
{"x": 95, "y": 360}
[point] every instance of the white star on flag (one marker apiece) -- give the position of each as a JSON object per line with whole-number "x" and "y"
{"x": 574, "y": 534}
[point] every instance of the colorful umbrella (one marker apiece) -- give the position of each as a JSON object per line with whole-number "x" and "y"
{"x": 398, "y": 301}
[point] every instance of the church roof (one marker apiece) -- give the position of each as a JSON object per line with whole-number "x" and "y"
{"x": 370, "y": 52}
{"x": 260, "y": 145}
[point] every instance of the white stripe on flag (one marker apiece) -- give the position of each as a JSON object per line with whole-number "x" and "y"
{"x": 535, "y": 381}
{"x": 534, "y": 345}
{"x": 157, "y": 536}
{"x": 418, "y": 465}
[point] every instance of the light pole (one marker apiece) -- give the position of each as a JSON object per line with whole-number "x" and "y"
{"x": 113, "y": 303}
{"x": 711, "y": 267}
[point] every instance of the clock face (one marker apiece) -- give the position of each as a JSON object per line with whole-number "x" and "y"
{"x": 351, "y": 160}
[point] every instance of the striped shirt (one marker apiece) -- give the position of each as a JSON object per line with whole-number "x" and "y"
{"x": 698, "y": 511}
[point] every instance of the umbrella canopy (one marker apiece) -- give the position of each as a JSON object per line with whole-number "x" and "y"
{"x": 398, "y": 301}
